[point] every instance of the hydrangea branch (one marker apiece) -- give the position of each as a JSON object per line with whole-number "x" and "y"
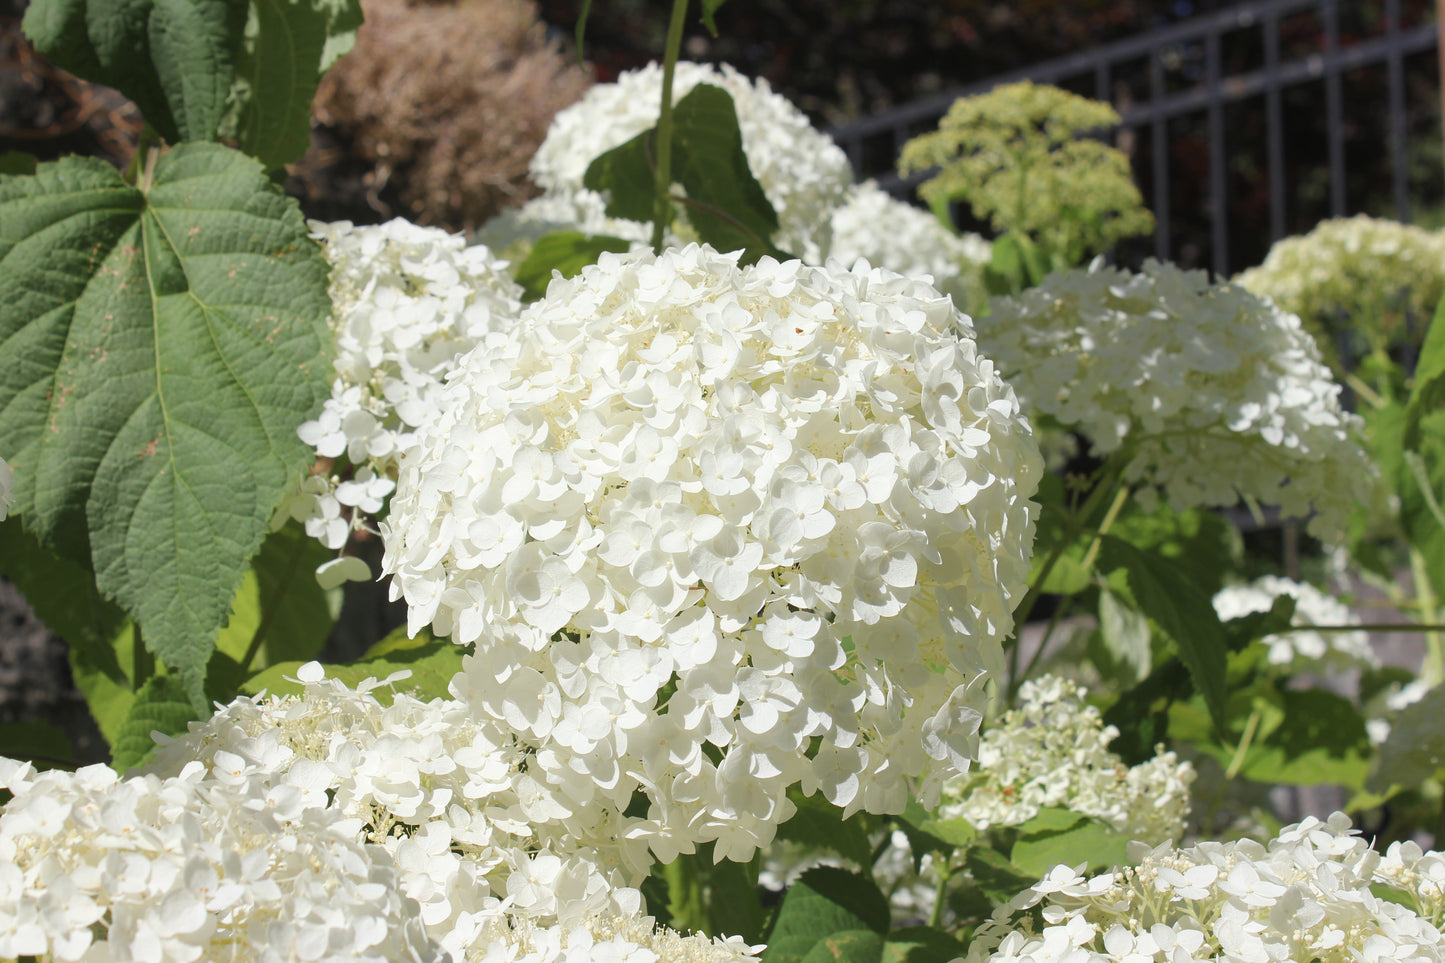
{"x": 661, "y": 206}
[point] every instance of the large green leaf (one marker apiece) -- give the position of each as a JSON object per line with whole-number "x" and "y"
{"x": 157, "y": 352}
{"x": 1172, "y": 600}
{"x": 565, "y": 251}
{"x": 822, "y": 903}
{"x": 1059, "y": 836}
{"x": 174, "y": 58}
{"x": 819, "y": 825}
{"x": 280, "y": 598}
{"x": 286, "y": 46}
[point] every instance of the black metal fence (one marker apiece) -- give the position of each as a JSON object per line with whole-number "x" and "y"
{"x": 1244, "y": 125}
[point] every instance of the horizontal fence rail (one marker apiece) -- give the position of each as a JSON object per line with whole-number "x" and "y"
{"x": 1177, "y": 72}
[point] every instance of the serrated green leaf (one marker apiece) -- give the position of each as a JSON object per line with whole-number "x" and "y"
{"x": 157, "y": 353}
{"x": 567, "y": 252}
{"x": 162, "y": 705}
{"x": 432, "y": 662}
{"x": 847, "y": 946}
{"x": 824, "y": 901}
{"x": 172, "y": 57}
{"x": 818, "y": 824}
{"x": 1169, "y": 597}
{"x": 285, "y": 48}
{"x": 1066, "y": 838}
{"x": 998, "y": 878}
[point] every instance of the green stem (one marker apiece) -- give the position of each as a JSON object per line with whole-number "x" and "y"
{"x": 945, "y": 873}
{"x": 662, "y": 186}
{"x": 1244, "y": 742}
{"x": 1427, "y": 605}
{"x": 270, "y": 607}
{"x": 1115, "y": 506}
{"x": 1368, "y": 627}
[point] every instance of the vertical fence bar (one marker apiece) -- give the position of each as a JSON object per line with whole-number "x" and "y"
{"x": 1334, "y": 109}
{"x": 1159, "y": 145}
{"x": 1395, "y": 70}
{"x": 1274, "y": 123}
{"x": 1218, "y": 175}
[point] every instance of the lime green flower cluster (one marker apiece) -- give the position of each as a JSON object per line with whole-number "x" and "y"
{"x": 1377, "y": 277}
{"x": 1016, "y": 155}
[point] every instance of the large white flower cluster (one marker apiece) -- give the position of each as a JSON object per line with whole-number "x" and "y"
{"x": 198, "y": 866}
{"x": 717, "y": 531}
{"x": 1325, "y": 650}
{"x": 873, "y": 224}
{"x": 803, "y": 173}
{"x": 608, "y": 939}
{"x": 441, "y": 790}
{"x": 1211, "y": 393}
{"x": 407, "y": 301}
{"x": 1053, "y": 751}
{"x": 1307, "y": 895}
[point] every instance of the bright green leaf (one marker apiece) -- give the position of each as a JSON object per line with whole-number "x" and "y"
{"x": 1321, "y": 740}
{"x": 1062, "y": 839}
{"x": 1169, "y": 597}
{"x": 956, "y": 832}
{"x": 822, "y": 902}
{"x": 172, "y": 57}
{"x": 162, "y": 705}
{"x": 286, "y": 46}
{"x": 157, "y": 353}
{"x": 565, "y": 251}
{"x": 432, "y": 663}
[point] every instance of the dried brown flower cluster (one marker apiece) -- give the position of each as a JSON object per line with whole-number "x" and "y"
{"x": 435, "y": 113}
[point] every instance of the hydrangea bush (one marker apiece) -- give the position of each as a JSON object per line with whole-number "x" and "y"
{"x": 714, "y": 558}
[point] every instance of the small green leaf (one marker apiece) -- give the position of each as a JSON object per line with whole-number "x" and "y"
{"x": 1125, "y": 634}
{"x": 567, "y": 252}
{"x": 162, "y": 705}
{"x": 158, "y": 351}
{"x": 1066, "y": 838}
{"x": 709, "y": 9}
{"x": 279, "y": 61}
{"x": 823, "y": 902}
{"x": 432, "y": 662}
{"x": 956, "y": 832}
{"x": 1172, "y": 600}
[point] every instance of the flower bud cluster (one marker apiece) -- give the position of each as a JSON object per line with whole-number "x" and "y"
{"x": 718, "y": 530}
{"x": 802, "y": 172}
{"x": 1212, "y": 394}
{"x": 1306, "y": 895}
{"x": 202, "y": 865}
{"x": 1337, "y": 651}
{"x": 1053, "y": 751}
{"x": 407, "y": 301}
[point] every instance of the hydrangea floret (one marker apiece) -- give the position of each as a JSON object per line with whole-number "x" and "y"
{"x": 719, "y": 530}
{"x": 1053, "y": 751}
{"x": 195, "y": 866}
{"x": 1306, "y": 895}
{"x": 407, "y": 301}
{"x": 873, "y": 224}
{"x": 1305, "y": 649}
{"x": 803, "y": 173}
{"x": 1206, "y": 391}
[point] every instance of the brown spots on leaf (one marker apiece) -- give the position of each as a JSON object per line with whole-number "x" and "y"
{"x": 150, "y": 449}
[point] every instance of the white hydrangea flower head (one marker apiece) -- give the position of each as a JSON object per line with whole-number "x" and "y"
{"x": 1053, "y": 751}
{"x": 1325, "y": 650}
{"x": 609, "y": 939}
{"x": 446, "y": 793}
{"x": 407, "y": 301}
{"x": 875, "y": 225}
{"x": 758, "y": 509}
{"x": 7, "y": 483}
{"x": 192, "y": 867}
{"x": 1213, "y": 394}
{"x": 1304, "y": 896}
{"x": 803, "y": 173}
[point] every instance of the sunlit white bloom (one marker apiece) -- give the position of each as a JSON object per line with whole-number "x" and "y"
{"x": 1306, "y": 895}
{"x": 197, "y": 866}
{"x": 872, "y": 224}
{"x": 803, "y": 173}
{"x": 1212, "y": 394}
{"x": 609, "y": 939}
{"x": 767, "y": 509}
{"x": 407, "y": 301}
{"x": 1327, "y": 650}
